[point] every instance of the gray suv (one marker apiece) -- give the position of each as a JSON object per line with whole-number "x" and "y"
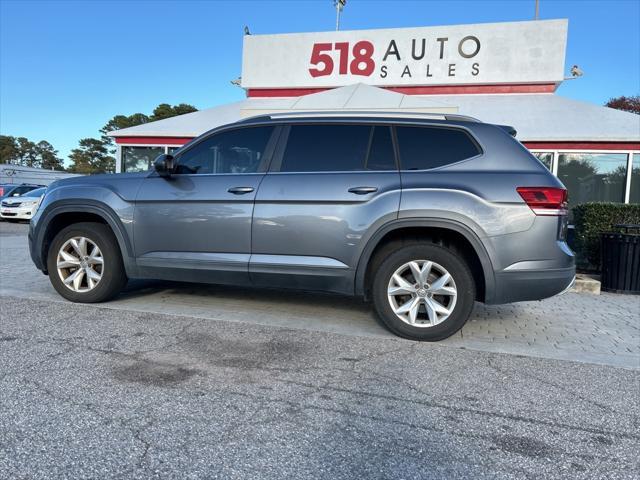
{"x": 421, "y": 214}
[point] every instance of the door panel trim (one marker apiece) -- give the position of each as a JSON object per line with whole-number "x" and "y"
{"x": 196, "y": 260}
{"x": 261, "y": 260}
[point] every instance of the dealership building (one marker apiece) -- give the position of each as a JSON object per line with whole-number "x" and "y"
{"x": 503, "y": 73}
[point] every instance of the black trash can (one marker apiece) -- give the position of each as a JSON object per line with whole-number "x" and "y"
{"x": 620, "y": 253}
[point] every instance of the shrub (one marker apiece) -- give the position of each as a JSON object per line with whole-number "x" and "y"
{"x": 592, "y": 219}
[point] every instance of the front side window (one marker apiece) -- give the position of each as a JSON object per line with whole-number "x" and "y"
{"x": 234, "y": 151}
{"x": 422, "y": 148}
{"x": 326, "y": 148}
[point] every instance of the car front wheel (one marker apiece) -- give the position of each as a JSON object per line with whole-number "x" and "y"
{"x": 85, "y": 264}
{"x": 423, "y": 292}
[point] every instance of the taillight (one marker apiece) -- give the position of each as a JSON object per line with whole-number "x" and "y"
{"x": 545, "y": 200}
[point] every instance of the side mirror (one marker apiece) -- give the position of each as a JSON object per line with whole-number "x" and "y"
{"x": 164, "y": 165}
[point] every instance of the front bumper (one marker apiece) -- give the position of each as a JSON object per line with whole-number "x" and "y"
{"x": 17, "y": 213}
{"x": 34, "y": 252}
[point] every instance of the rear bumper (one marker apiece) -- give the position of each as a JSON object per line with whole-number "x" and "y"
{"x": 523, "y": 285}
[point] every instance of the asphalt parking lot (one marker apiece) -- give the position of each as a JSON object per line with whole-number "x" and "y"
{"x": 185, "y": 381}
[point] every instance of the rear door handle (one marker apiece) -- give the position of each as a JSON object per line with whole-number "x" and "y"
{"x": 363, "y": 190}
{"x": 240, "y": 190}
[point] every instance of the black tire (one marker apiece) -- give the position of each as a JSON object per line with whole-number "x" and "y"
{"x": 113, "y": 279}
{"x": 443, "y": 256}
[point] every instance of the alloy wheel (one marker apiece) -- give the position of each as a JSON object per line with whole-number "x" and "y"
{"x": 422, "y": 293}
{"x": 80, "y": 264}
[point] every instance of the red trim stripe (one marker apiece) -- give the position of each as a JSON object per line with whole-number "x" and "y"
{"x": 417, "y": 90}
{"x": 582, "y": 145}
{"x": 572, "y": 146}
{"x": 154, "y": 140}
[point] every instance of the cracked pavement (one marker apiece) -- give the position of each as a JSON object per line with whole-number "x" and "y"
{"x": 91, "y": 392}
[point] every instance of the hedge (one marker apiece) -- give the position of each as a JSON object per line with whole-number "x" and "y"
{"x": 590, "y": 220}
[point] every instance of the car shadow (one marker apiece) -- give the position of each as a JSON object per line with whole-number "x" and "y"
{"x": 137, "y": 289}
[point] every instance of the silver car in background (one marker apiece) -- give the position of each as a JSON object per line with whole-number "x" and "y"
{"x": 22, "y": 206}
{"x": 421, "y": 214}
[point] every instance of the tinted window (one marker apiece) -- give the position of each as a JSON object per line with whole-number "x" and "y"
{"x": 381, "y": 156}
{"x": 234, "y": 151}
{"x": 326, "y": 148}
{"x": 422, "y": 148}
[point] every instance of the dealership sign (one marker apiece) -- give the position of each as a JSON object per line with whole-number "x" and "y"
{"x": 498, "y": 53}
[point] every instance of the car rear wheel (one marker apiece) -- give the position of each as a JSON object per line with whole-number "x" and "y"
{"x": 85, "y": 264}
{"x": 423, "y": 292}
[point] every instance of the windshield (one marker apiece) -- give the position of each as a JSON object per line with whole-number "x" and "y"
{"x": 35, "y": 193}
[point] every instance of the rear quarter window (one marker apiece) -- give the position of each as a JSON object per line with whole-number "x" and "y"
{"x": 423, "y": 148}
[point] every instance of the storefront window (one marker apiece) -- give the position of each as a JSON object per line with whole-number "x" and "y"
{"x": 139, "y": 159}
{"x": 545, "y": 157}
{"x": 593, "y": 177}
{"x": 634, "y": 194}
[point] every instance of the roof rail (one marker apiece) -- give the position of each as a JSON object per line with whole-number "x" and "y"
{"x": 361, "y": 113}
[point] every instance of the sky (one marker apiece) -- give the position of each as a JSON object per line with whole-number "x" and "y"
{"x": 67, "y": 67}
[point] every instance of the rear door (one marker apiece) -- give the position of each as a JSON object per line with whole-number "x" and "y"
{"x": 196, "y": 224}
{"x": 329, "y": 188}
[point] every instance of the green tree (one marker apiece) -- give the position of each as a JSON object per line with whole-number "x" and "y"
{"x": 24, "y": 152}
{"x": 27, "y": 152}
{"x": 48, "y": 156}
{"x": 164, "y": 110}
{"x": 118, "y": 123}
{"x": 91, "y": 156}
{"x": 8, "y": 149}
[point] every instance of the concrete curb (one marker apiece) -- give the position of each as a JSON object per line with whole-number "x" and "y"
{"x": 587, "y": 284}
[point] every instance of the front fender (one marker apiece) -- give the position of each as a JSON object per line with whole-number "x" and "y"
{"x": 119, "y": 220}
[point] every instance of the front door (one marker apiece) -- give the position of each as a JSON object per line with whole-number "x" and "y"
{"x": 196, "y": 224}
{"x": 330, "y": 187}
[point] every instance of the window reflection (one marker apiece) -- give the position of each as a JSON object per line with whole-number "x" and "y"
{"x": 593, "y": 177}
{"x": 634, "y": 194}
{"x": 139, "y": 159}
{"x": 545, "y": 158}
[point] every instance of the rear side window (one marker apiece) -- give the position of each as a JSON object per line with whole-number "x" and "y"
{"x": 338, "y": 148}
{"x": 381, "y": 156}
{"x": 422, "y": 148}
{"x": 326, "y": 148}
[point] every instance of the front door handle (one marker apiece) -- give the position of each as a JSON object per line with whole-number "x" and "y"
{"x": 363, "y": 190}
{"x": 240, "y": 190}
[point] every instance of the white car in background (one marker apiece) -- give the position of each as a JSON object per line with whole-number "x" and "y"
{"x": 22, "y": 207}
